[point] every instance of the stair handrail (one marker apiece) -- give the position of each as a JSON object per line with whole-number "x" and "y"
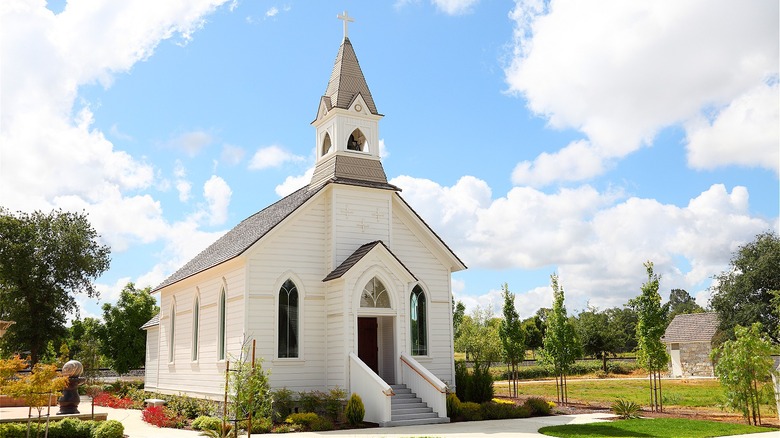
{"x": 374, "y": 391}
{"x": 424, "y": 373}
{"x": 425, "y": 384}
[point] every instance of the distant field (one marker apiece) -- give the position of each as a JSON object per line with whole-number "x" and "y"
{"x": 676, "y": 393}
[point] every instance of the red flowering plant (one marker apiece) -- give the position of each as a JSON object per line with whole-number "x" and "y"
{"x": 112, "y": 401}
{"x": 161, "y": 416}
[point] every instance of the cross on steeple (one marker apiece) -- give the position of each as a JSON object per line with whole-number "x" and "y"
{"x": 346, "y": 18}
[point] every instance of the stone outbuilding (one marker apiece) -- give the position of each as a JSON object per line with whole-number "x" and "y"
{"x": 688, "y": 341}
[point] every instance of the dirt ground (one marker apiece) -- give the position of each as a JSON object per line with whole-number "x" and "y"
{"x": 768, "y": 418}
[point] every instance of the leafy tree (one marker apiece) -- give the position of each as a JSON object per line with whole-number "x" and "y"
{"x": 651, "y": 324}
{"x": 512, "y": 337}
{"x": 45, "y": 259}
{"x": 480, "y": 341}
{"x": 85, "y": 345}
{"x": 249, "y": 391}
{"x": 534, "y": 334}
{"x": 680, "y": 303}
{"x": 561, "y": 346}
{"x": 622, "y": 326}
{"x": 743, "y": 294}
{"x": 595, "y": 334}
{"x": 744, "y": 368}
{"x": 122, "y": 339}
{"x": 458, "y": 311}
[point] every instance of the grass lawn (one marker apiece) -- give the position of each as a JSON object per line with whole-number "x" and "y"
{"x": 684, "y": 393}
{"x": 652, "y": 427}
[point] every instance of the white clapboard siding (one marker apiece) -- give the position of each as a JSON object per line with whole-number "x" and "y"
{"x": 359, "y": 216}
{"x": 152, "y": 345}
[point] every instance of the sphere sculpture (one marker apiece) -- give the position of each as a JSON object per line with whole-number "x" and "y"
{"x": 69, "y": 402}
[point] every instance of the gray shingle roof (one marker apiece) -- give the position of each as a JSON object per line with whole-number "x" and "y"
{"x": 152, "y": 322}
{"x": 347, "y": 80}
{"x": 242, "y": 236}
{"x": 694, "y": 327}
{"x": 356, "y": 256}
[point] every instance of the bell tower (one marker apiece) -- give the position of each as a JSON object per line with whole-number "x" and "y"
{"x": 347, "y": 124}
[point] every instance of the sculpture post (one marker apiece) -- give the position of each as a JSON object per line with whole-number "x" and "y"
{"x": 69, "y": 402}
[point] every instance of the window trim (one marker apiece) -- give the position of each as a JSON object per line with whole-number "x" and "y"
{"x": 289, "y": 275}
{"x": 426, "y": 303}
{"x": 195, "y": 346}
{"x": 222, "y": 325}
{"x": 172, "y": 333}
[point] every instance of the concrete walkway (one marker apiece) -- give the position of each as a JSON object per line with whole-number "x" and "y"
{"x": 135, "y": 427}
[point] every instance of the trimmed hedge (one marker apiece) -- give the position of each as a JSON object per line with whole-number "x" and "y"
{"x": 580, "y": 368}
{"x": 67, "y": 428}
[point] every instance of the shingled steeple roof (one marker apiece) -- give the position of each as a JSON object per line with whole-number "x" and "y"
{"x": 347, "y": 81}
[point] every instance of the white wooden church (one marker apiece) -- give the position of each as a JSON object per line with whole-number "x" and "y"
{"x": 341, "y": 283}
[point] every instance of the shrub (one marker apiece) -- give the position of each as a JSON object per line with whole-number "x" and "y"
{"x": 204, "y": 422}
{"x": 625, "y": 409}
{"x": 538, "y": 406}
{"x": 499, "y": 411}
{"x": 334, "y": 403}
{"x": 355, "y": 411}
{"x": 480, "y": 386}
{"x": 471, "y": 411}
{"x": 112, "y": 401}
{"x": 453, "y": 405}
{"x": 312, "y": 401}
{"x": 109, "y": 429}
{"x": 461, "y": 379}
{"x": 161, "y": 416}
{"x": 309, "y": 421}
{"x": 259, "y": 425}
{"x": 283, "y": 403}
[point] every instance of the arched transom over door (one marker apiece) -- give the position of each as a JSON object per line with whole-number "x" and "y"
{"x": 375, "y": 295}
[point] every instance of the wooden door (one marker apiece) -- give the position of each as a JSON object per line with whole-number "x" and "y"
{"x": 368, "y": 347}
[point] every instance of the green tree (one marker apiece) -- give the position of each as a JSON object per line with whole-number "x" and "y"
{"x": 651, "y": 324}
{"x": 743, "y": 294}
{"x": 458, "y": 311}
{"x": 595, "y": 333}
{"x": 622, "y": 326}
{"x": 85, "y": 345}
{"x": 121, "y": 337}
{"x": 249, "y": 390}
{"x": 510, "y": 331}
{"x": 561, "y": 346}
{"x": 45, "y": 259}
{"x": 534, "y": 335}
{"x": 480, "y": 341}
{"x": 680, "y": 303}
{"x": 744, "y": 368}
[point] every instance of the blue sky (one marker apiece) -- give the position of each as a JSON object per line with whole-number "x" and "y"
{"x": 535, "y": 137}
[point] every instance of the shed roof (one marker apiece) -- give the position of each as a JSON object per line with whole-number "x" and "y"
{"x": 693, "y": 327}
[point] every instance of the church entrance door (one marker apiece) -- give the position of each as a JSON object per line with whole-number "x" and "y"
{"x": 368, "y": 346}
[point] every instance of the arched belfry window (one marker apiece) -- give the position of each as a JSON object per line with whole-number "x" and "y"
{"x": 221, "y": 327}
{"x": 326, "y": 144}
{"x": 288, "y": 320}
{"x": 375, "y": 295}
{"x": 357, "y": 141}
{"x": 419, "y": 322}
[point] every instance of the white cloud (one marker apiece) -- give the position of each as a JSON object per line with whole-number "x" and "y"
{"x": 232, "y": 155}
{"x": 192, "y": 142}
{"x": 455, "y": 7}
{"x": 596, "y": 241}
{"x": 577, "y": 161}
{"x": 622, "y": 71}
{"x": 272, "y": 156}
{"x": 745, "y": 133}
{"x": 293, "y": 183}
{"x": 217, "y": 193}
{"x": 271, "y": 12}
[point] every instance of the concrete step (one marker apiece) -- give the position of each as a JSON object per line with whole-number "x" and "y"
{"x": 417, "y": 409}
{"x": 405, "y": 400}
{"x": 417, "y": 422}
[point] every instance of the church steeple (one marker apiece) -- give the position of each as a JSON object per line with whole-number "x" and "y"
{"x": 347, "y": 124}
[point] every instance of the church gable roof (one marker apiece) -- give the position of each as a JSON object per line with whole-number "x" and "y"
{"x": 347, "y": 80}
{"x": 155, "y": 321}
{"x": 242, "y": 236}
{"x": 693, "y": 327}
{"x": 358, "y": 255}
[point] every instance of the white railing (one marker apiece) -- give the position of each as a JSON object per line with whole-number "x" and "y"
{"x": 374, "y": 392}
{"x": 423, "y": 383}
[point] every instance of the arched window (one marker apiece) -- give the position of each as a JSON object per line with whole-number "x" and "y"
{"x": 326, "y": 145}
{"x": 419, "y": 320}
{"x": 221, "y": 328}
{"x": 195, "y": 327}
{"x": 172, "y": 334}
{"x": 375, "y": 295}
{"x": 357, "y": 141}
{"x": 288, "y": 320}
